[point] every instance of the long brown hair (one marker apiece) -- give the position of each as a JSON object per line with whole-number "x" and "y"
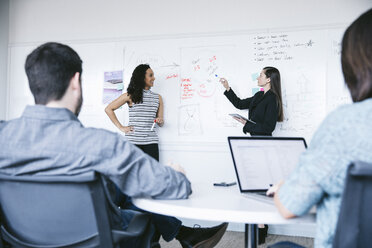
{"x": 356, "y": 57}
{"x": 276, "y": 88}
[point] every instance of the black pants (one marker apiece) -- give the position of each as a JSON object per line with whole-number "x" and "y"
{"x": 151, "y": 149}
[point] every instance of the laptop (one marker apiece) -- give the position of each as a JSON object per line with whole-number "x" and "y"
{"x": 261, "y": 161}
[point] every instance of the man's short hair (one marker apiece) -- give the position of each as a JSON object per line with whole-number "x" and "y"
{"x": 49, "y": 69}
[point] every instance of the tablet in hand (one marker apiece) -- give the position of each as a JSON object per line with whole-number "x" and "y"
{"x": 241, "y": 117}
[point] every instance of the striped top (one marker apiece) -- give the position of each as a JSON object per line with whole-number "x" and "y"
{"x": 141, "y": 117}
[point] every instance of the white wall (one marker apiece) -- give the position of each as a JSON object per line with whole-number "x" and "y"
{"x": 45, "y": 20}
{"x": 4, "y": 37}
{"x": 37, "y": 21}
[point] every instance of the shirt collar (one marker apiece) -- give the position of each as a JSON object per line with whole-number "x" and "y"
{"x": 48, "y": 113}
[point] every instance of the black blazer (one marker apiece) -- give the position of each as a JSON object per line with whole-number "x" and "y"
{"x": 263, "y": 109}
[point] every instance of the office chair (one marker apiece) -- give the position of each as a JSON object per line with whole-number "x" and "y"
{"x": 355, "y": 219}
{"x": 65, "y": 211}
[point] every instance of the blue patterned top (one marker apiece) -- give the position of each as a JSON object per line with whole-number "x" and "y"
{"x": 343, "y": 137}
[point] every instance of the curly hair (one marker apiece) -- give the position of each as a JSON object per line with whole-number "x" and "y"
{"x": 137, "y": 83}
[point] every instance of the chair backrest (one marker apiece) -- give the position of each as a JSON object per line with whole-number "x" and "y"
{"x": 355, "y": 219}
{"x": 56, "y": 211}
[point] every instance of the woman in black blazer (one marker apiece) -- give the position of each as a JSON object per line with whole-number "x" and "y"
{"x": 265, "y": 107}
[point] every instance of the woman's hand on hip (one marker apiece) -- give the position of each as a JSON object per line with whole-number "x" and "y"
{"x": 128, "y": 129}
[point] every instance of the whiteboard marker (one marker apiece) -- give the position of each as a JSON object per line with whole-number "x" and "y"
{"x": 153, "y": 125}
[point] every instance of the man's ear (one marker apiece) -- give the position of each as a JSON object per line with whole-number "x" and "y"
{"x": 75, "y": 81}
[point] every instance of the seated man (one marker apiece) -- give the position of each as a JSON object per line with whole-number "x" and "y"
{"x": 48, "y": 139}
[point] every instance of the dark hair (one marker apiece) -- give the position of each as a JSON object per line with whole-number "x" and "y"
{"x": 276, "y": 88}
{"x": 49, "y": 69}
{"x": 356, "y": 57}
{"x": 137, "y": 83}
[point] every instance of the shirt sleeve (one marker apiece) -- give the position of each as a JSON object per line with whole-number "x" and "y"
{"x": 270, "y": 119}
{"x": 300, "y": 192}
{"x": 317, "y": 172}
{"x": 236, "y": 101}
{"x": 137, "y": 174}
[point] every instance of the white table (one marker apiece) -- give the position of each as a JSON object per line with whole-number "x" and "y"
{"x": 223, "y": 204}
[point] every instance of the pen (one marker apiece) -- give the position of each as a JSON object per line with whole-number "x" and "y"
{"x": 153, "y": 125}
{"x": 223, "y": 184}
{"x": 219, "y": 79}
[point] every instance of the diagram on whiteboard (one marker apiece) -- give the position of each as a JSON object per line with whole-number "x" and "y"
{"x": 201, "y": 68}
{"x": 303, "y": 103}
{"x": 189, "y": 120}
{"x": 299, "y": 56}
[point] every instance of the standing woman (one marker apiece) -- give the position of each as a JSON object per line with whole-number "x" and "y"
{"x": 145, "y": 107}
{"x": 265, "y": 107}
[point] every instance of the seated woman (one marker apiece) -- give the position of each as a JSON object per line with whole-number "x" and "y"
{"x": 344, "y": 136}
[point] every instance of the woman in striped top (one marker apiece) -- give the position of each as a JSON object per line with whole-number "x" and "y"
{"x": 145, "y": 108}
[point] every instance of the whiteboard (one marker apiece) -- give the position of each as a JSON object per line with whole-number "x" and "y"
{"x": 187, "y": 71}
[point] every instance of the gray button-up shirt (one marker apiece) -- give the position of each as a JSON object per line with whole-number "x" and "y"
{"x": 52, "y": 141}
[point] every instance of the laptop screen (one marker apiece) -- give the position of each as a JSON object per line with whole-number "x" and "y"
{"x": 262, "y": 161}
